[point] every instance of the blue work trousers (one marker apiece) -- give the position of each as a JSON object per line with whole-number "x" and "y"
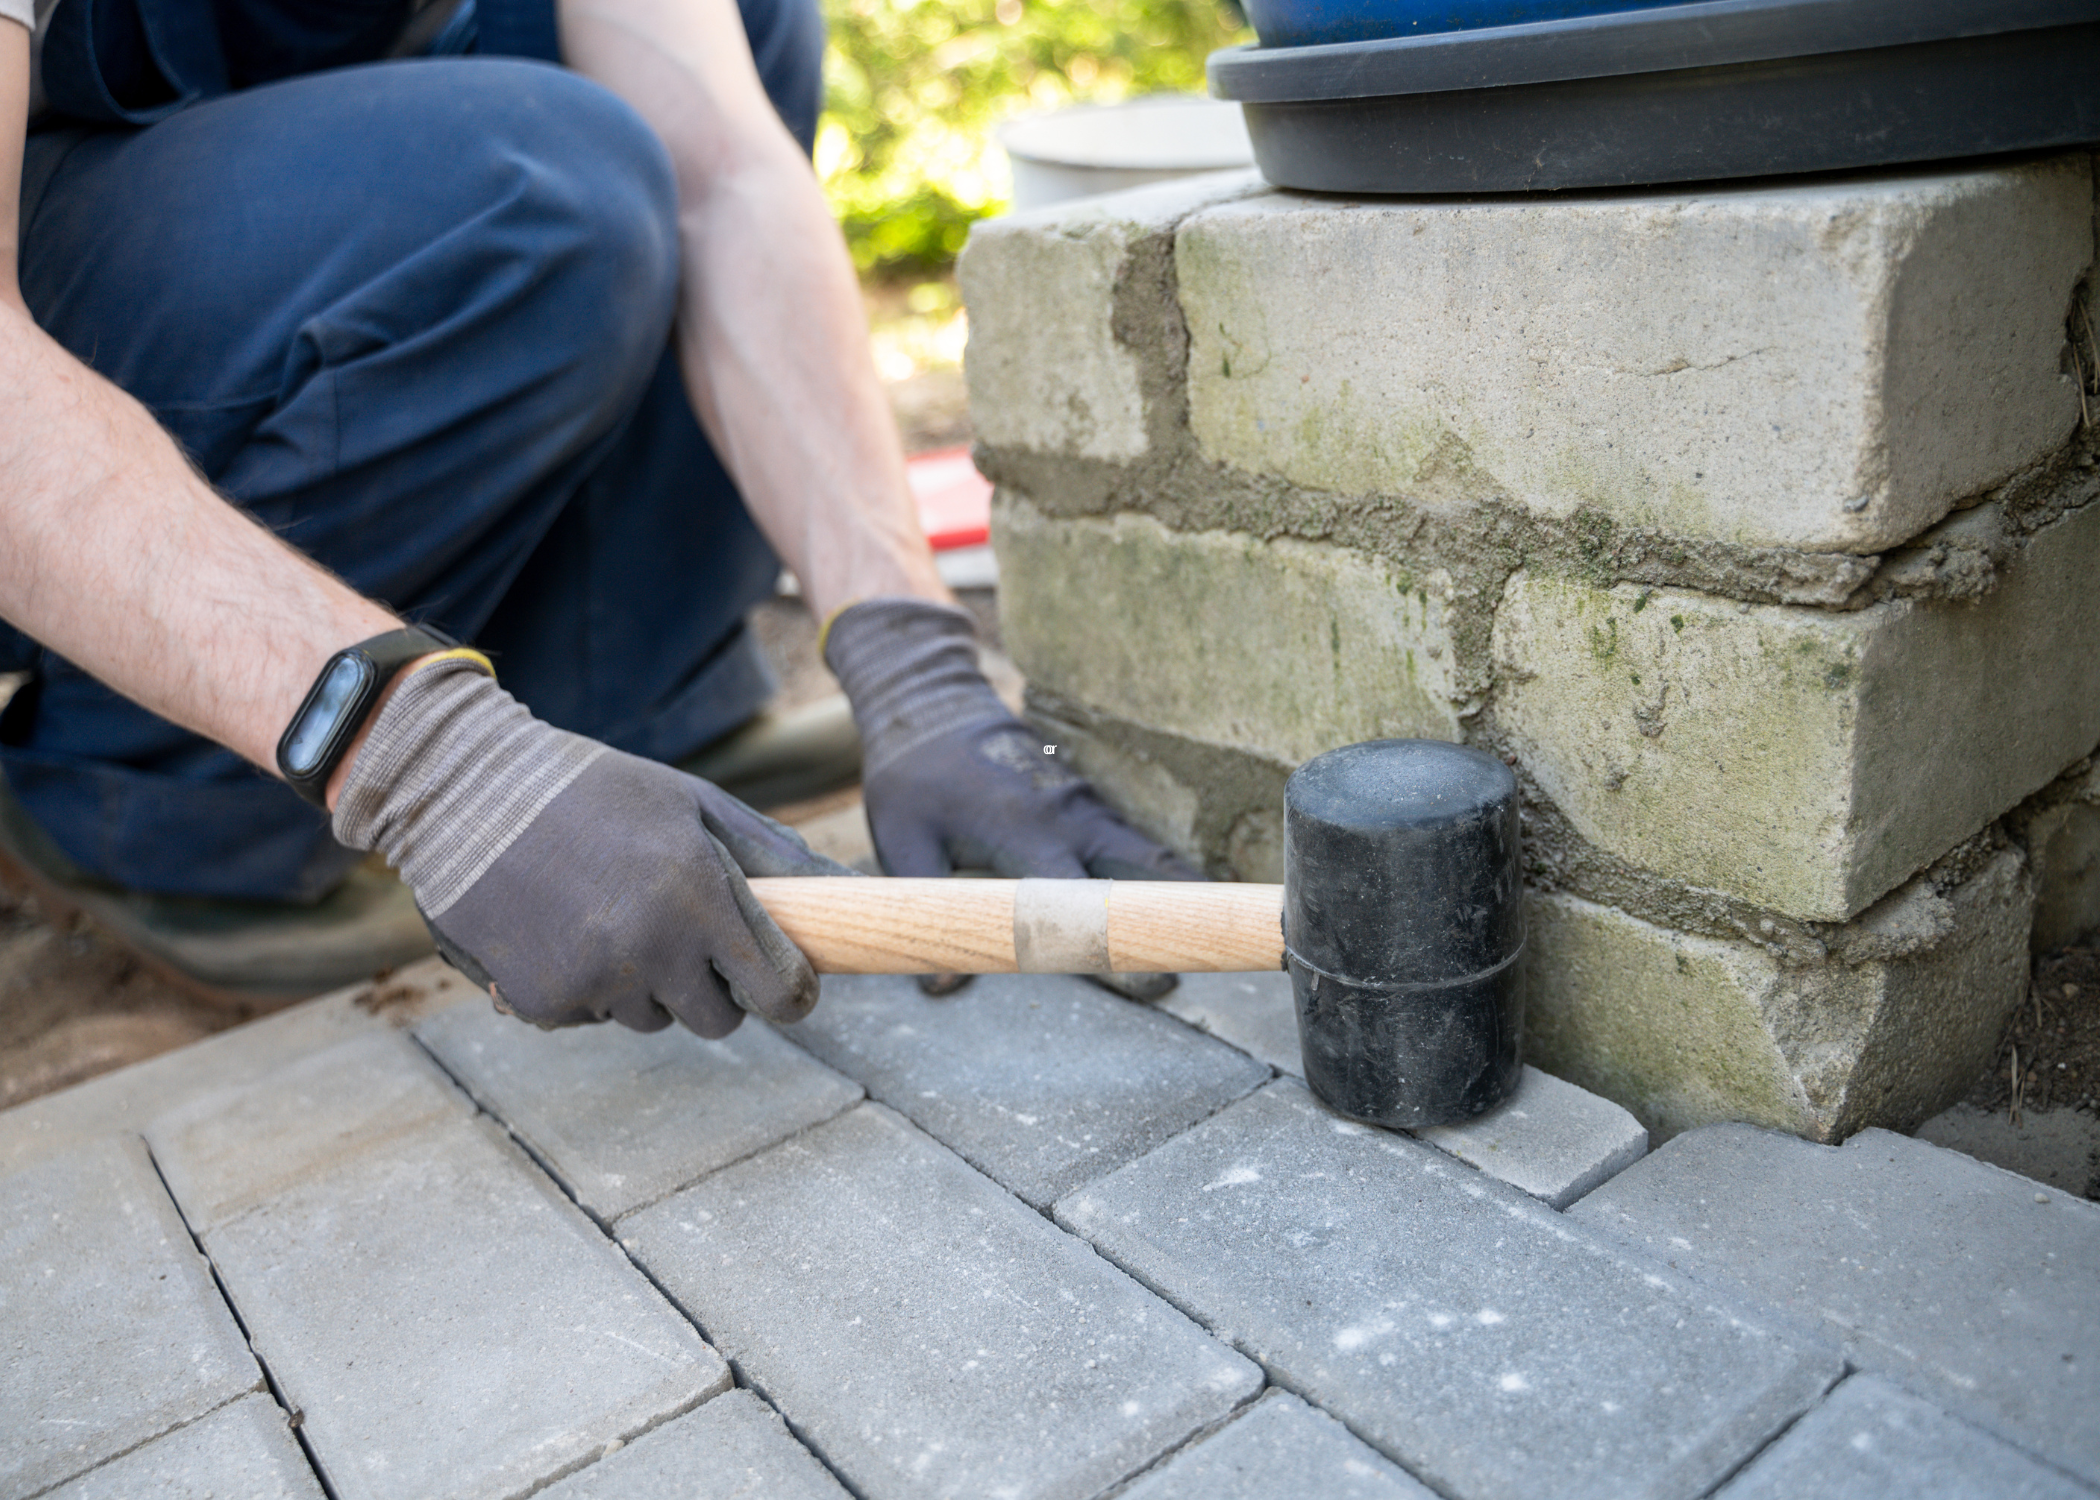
{"x": 414, "y": 317}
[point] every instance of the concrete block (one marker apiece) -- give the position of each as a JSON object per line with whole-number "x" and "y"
{"x": 1686, "y": 1031}
{"x": 1827, "y": 365}
{"x": 243, "y": 1450}
{"x": 1326, "y": 646}
{"x": 129, "y": 1098}
{"x": 928, "y": 1334}
{"x": 1965, "y": 1283}
{"x": 444, "y": 1319}
{"x": 1465, "y": 1330}
{"x": 1805, "y": 760}
{"x": 1253, "y": 1012}
{"x": 622, "y": 1118}
{"x": 733, "y": 1448}
{"x": 228, "y": 1151}
{"x": 110, "y": 1326}
{"x": 1040, "y": 1081}
{"x": 1871, "y": 1441}
{"x": 1045, "y": 365}
{"x": 1551, "y": 1139}
{"x": 1279, "y": 1446}
{"x": 111, "y": 1331}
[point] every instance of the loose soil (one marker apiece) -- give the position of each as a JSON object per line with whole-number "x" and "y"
{"x": 2049, "y": 1057}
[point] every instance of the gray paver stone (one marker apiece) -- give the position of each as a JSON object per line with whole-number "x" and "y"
{"x": 1042, "y": 1081}
{"x": 240, "y": 1452}
{"x": 926, "y": 1333}
{"x": 131, "y": 1097}
{"x": 446, "y": 1320}
{"x": 1550, "y": 1138}
{"x": 622, "y": 1118}
{"x": 111, "y": 1330}
{"x": 733, "y": 1448}
{"x": 1871, "y": 1441}
{"x": 1253, "y": 1012}
{"x": 227, "y": 1151}
{"x": 1553, "y": 1139}
{"x": 1279, "y": 1446}
{"x": 1964, "y": 1282}
{"x": 1466, "y": 1330}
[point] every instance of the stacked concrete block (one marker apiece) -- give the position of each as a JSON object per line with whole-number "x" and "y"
{"x": 1755, "y": 526}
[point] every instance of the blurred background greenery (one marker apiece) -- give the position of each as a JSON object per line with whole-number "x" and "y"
{"x": 914, "y": 89}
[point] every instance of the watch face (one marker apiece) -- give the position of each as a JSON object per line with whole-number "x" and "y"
{"x": 307, "y": 746}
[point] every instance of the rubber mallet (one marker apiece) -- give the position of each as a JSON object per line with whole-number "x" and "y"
{"x": 1400, "y": 919}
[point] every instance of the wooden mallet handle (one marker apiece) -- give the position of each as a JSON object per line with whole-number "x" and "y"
{"x": 880, "y": 926}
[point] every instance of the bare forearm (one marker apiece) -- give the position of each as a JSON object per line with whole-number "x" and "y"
{"x": 114, "y": 554}
{"x": 772, "y": 340}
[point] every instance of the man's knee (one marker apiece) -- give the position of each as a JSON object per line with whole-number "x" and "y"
{"x": 578, "y": 186}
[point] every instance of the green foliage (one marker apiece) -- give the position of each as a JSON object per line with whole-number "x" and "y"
{"x": 914, "y": 88}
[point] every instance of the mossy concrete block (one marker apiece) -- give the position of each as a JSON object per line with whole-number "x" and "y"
{"x": 1685, "y": 1030}
{"x": 111, "y": 1329}
{"x": 245, "y": 1450}
{"x": 1281, "y": 648}
{"x": 1956, "y": 1279}
{"x": 1805, "y": 760}
{"x": 1046, "y": 366}
{"x": 1827, "y": 365}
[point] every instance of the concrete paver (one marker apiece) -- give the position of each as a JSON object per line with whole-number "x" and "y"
{"x": 1872, "y": 1441}
{"x": 1552, "y": 1139}
{"x": 622, "y": 1118}
{"x": 733, "y": 1448}
{"x": 228, "y": 1151}
{"x": 927, "y": 1334}
{"x": 447, "y": 1322}
{"x": 1464, "y": 1329}
{"x": 1253, "y": 1012}
{"x": 131, "y": 1097}
{"x": 240, "y": 1452}
{"x": 111, "y": 1330}
{"x": 1279, "y": 1446}
{"x": 1964, "y": 1282}
{"x": 1042, "y": 1082}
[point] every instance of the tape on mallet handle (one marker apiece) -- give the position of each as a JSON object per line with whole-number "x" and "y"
{"x": 881, "y": 926}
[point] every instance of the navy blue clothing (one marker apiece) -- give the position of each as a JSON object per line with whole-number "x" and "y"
{"x": 415, "y": 317}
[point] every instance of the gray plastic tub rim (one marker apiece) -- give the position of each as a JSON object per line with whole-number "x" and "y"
{"x": 1616, "y": 44}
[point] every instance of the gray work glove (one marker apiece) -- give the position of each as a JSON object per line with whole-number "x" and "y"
{"x": 952, "y": 779}
{"x": 576, "y": 882}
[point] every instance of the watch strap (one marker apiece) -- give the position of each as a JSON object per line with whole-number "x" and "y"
{"x": 341, "y": 699}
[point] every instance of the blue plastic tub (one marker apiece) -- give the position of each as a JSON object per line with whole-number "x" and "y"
{"x": 1310, "y": 23}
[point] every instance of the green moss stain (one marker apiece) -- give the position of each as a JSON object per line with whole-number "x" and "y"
{"x": 1604, "y": 639}
{"x": 1837, "y": 675}
{"x": 1677, "y": 623}
{"x": 1642, "y": 602}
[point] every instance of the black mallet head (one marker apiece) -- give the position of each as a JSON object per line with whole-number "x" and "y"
{"x": 1404, "y": 929}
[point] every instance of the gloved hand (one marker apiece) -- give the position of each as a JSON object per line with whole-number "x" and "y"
{"x": 950, "y": 777}
{"x": 578, "y": 883}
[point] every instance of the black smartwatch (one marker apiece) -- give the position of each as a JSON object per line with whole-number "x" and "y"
{"x": 339, "y": 701}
